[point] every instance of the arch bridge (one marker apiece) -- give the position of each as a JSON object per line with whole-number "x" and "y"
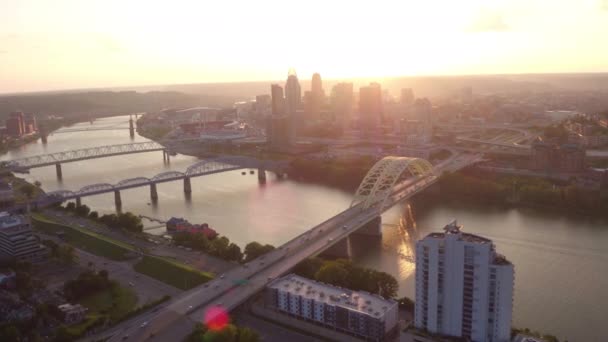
{"x": 201, "y": 168}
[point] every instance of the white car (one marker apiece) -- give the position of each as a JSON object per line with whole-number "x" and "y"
{"x": 143, "y": 325}
{"x": 222, "y": 276}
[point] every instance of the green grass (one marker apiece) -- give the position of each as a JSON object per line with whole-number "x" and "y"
{"x": 117, "y": 301}
{"x": 79, "y": 329}
{"x": 172, "y": 272}
{"x": 84, "y": 239}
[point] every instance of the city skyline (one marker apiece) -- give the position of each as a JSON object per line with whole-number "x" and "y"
{"x": 151, "y": 44}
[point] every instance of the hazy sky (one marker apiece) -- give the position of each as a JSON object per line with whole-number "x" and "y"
{"x": 58, "y": 44}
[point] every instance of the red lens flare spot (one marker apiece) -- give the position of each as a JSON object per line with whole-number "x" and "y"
{"x": 216, "y": 318}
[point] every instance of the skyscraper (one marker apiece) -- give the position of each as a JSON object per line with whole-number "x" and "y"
{"x": 422, "y": 111}
{"x": 370, "y": 106}
{"x": 463, "y": 287}
{"x": 407, "y": 96}
{"x": 15, "y": 124}
{"x": 293, "y": 98}
{"x": 342, "y": 103}
{"x": 317, "y": 97}
{"x": 278, "y": 102}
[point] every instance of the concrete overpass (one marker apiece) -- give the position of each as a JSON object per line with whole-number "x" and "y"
{"x": 380, "y": 190}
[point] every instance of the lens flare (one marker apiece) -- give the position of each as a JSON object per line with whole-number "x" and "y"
{"x": 216, "y": 318}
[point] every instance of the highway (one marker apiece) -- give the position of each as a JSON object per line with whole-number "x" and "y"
{"x": 175, "y": 320}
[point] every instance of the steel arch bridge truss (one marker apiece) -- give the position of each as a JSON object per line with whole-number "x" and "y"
{"x": 378, "y": 183}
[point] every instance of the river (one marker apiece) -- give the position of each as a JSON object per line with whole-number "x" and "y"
{"x": 560, "y": 261}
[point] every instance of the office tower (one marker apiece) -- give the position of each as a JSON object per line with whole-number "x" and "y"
{"x": 17, "y": 239}
{"x": 15, "y": 124}
{"x": 422, "y": 111}
{"x": 463, "y": 287}
{"x": 317, "y": 97}
{"x": 370, "y": 106}
{"x": 278, "y": 102}
{"x": 342, "y": 103}
{"x": 364, "y": 315}
{"x": 407, "y": 96}
{"x": 293, "y": 99}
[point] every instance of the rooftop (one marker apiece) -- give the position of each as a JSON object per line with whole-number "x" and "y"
{"x": 453, "y": 228}
{"x": 9, "y": 221}
{"x": 364, "y": 302}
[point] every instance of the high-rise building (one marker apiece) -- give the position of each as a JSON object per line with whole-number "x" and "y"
{"x": 364, "y": 315}
{"x": 342, "y": 103}
{"x": 293, "y": 99}
{"x": 15, "y": 124}
{"x": 422, "y": 111}
{"x": 370, "y": 106}
{"x": 278, "y": 101}
{"x": 18, "y": 241}
{"x": 278, "y": 124}
{"x": 317, "y": 97}
{"x": 463, "y": 287}
{"x": 407, "y": 96}
{"x": 29, "y": 123}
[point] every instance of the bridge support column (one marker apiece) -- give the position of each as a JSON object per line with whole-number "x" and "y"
{"x": 187, "y": 185}
{"x": 261, "y": 174}
{"x": 78, "y": 202}
{"x": 58, "y": 169}
{"x": 131, "y": 128}
{"x": 166, "y": 156}
{"x": 371, "y": 228}
{"x": 340, "y": 250}
{"x": 43, "y": 137}
{"x": 153, "y": 192}
{"x": 117, "y": 200}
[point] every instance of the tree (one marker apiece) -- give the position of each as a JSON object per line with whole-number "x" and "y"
{"x": 256, "y": 249}
{"x": 71, "y": 206}
{"x": 248, "y": 335}
{"x": 66, "y": 254}
{"x": 308, "y": 268}
{"x": 37, "y": 184}
{"x": 28, "y": 190}
{"x": 388, "y": 285}
{"x": 10, "y": 333}
{"x": 82, "y": 210}
{"x": 93, "y": 215}
{"x": 333, "y": 273}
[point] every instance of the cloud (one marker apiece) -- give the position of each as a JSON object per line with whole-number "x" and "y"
{"x": 489, "y": 21}
{"x": 604, "y": 5}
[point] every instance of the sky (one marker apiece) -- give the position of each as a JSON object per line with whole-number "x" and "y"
{"x": 67, "y": 44}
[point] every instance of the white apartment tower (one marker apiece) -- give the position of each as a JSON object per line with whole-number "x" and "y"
{"x": 463, "y": 287}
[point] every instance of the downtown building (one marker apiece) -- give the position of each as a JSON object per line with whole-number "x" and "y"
{"x": 357, "y": 313}
{"x": 18, "y": 241}
{"x": 463, "y": 287}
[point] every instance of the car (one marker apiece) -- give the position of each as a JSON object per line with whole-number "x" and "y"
{"x": 245, "y": 266}
{"x": 270, "y": 278}
{"x": 125, "y": 337}
{"x": 131, "y": 284}
{"x": 190, "y": 307}
{"x": 345, "y": 227}
{"x": 222, "y": 276}
{"x": 330, "y": 240}
{"x": 143, "y": 325}
{"x": 206, "y": 285}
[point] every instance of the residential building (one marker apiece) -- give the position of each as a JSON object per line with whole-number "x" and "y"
{"x": 551, "y": 157}
{"x": 370, "y": 106}
{"x": 72, "y": 314}
{"x": 18, "y": 241}
{"x": 360, "y": 314}
{"x": 29, "y": 123}
{"x": 463, "y": 287}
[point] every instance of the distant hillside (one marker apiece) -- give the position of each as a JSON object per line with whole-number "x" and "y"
{"x": 104, "y": 103}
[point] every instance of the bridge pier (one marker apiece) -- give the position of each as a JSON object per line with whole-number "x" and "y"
{"x": 153, "y": 192}
{"x": 261, "y": 174}
{"x": 78, "y": 202}
{"x": 58, "y": 169}
{"x": 340, "y": 250}
{"x": 117, "y": 200}
{"x": 166, "y": 156}
{"x": 43, "y": 138}
{"x": 371, "y": 228}
{"x": 131, "y": 128}
{"x": 187, "y": 185}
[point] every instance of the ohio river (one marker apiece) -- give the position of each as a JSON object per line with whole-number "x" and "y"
{"x": 560, "y": 262}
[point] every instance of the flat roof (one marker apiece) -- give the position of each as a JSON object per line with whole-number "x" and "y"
{"x": 10, "y": 221}
{"x": 371, "y": 304}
